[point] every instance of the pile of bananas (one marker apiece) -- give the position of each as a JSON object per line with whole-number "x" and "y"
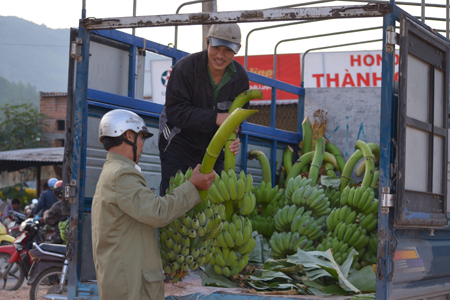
{"x": 266, "y": 197}
{"x": 188, "y": 242}
{"x": 228, "y": 187}
{"x": 233, "y": 245}
{"x": 344, "y": 213}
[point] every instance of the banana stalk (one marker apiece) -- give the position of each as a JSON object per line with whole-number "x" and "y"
{"x": 330, "y": 147}
{"x": 329, "y": 169}
{"x": 376, "y": 156}
{"x": 238, "y": 102}
{"x": 287, "y": 158}
{"x": 265, "y": 165}
{"x": 306, "y": 159}
{"x": 351, "y": 163}
{"x": 307, "y": 137}
{"x": 317, "y": 161}
{"x": 218, "y": 141}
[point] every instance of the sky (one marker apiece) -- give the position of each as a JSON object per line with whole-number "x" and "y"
{"x": 65, "y": 14}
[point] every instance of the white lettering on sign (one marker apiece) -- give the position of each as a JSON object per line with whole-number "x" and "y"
{"x": 344, "y": 69}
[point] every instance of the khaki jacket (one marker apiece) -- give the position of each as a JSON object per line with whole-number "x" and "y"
{"x": 125, "y": 216}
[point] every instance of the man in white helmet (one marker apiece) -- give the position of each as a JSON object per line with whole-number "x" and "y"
{"x": 199, "y": 93}
{"x": 126, "y": 213}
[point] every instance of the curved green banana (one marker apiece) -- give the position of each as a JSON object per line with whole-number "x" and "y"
{"x": 376, "y": 156}
{"x": 351, "y": 163}
{"x": 306, "y": 159}
{"x": 307, "y": 137}
{"x": 330, "y": 147}
{"x": 370, "y": 164}
{"x": 317, "y": 161}
{"x": 217, "y": 143}
{"x": 265, "y": 165}
{"x": 329, "y": 169}
{"x": 299, "y": 164}
{"x": 287, "y": 158}
{"x": 238, "y": 102}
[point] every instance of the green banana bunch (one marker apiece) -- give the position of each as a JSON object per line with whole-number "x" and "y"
{"x": 369, "y": 222}
{"x": 294, "y": 183}
{"x": 263, "y": 225}
{"x": 188, "y": 242}
{"x": 287, "y": 243}
{"x": 306, "y": 225}
{"x": 233, "y": 245}
{"x": 284, "y": 217}
{"x": 265, "y": 193}
{"x": 333, "y": 196}
{"x": 344, "y": 213}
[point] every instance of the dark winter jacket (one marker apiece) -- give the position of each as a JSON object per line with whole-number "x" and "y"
{"x": 188, "y": 121}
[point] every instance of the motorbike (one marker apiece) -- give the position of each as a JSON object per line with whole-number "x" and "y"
{"x": 15, "y": 261}
{"x": 5, "y": 238}
{"x": 48, "y": 273}
{"x": 14, "y": 226}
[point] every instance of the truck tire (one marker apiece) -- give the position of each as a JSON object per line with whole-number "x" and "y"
{"x": 47, "y": 283}
{"x": 13, "y": 274}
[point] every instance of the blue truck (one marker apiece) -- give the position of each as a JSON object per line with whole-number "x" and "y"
{"x": 413, "y": 256}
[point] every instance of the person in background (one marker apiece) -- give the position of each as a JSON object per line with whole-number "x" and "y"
{"x": 201, "y": 89}
{"x": 54, "y": 215}
{"x": 46, "y": 200}
{"x": 126, "y": 213}
{"x": 13, "y": 206}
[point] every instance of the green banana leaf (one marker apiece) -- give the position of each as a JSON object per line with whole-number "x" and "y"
{"x": 261, "y": 252}
{"x": 365, "y": 279}
{"x": 211, "y": 278}
{"x": 318, "y": 264}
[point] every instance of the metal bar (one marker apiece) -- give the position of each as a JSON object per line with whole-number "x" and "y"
{"x": 133, "y": 31}
{"x": 132, "y": 71}
{"x": 178, "y": 10}
{"x": 335, "y": 12}
{"x": 268, "y": 27}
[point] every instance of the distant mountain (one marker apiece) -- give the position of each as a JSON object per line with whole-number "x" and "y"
{"x": 34, "y": 55}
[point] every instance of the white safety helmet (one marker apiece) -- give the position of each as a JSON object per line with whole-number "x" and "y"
{"x": 116, "y": 122}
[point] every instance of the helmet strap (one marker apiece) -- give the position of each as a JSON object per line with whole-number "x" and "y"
{"x": 134, "y": 145}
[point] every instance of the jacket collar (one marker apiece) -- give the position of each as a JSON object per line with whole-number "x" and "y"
{"x": 115, "y": 156}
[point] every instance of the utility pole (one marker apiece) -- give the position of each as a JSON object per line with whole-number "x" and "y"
{"x": 208, "y": 6}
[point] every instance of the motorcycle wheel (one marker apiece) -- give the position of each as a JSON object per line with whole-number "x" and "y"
{"x": 12, "y": 275}
{"x": 47, "y": 283}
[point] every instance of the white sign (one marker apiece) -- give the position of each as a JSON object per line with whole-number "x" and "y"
{"x": 160, "y": 74}
{"x": 344, "y": 69}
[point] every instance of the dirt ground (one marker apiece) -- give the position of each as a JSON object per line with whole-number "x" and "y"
{"x": 22, "y": 293}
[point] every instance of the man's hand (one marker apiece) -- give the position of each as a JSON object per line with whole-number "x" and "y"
{"x": 234, "y": 146}
{"x": 202, "y": 181}
{"x": 221, "y": 117}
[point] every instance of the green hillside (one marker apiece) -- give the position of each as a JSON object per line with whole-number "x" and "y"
{"x": 33, "y": 55}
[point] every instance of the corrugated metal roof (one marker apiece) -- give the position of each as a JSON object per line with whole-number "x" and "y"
{"x": 19, "y": 159}
{"x": 52, "y": 94}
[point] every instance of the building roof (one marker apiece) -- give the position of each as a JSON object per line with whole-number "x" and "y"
{"x": 52, "y": 94}
{"x": 24, "y": 158}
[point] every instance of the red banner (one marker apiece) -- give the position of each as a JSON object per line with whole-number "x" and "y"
{"x": 288, "y": 70}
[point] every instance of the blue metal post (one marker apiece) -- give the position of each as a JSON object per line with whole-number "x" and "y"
{"x": 387, "y": 127}
{"x": 79, "y": 157}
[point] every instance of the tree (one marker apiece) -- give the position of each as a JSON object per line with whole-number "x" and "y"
{"x": 22, "y": 127}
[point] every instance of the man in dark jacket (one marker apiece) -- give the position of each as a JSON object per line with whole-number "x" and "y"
{"x": 46, "y": 200}
{"x": 201, "y": 88}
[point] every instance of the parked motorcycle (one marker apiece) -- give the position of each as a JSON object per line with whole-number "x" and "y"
{"x": 48, "y": 273}
{"x": 14, "y": 226}
{"x": 5, "y": 238}
{"x": 15, "y": 261}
